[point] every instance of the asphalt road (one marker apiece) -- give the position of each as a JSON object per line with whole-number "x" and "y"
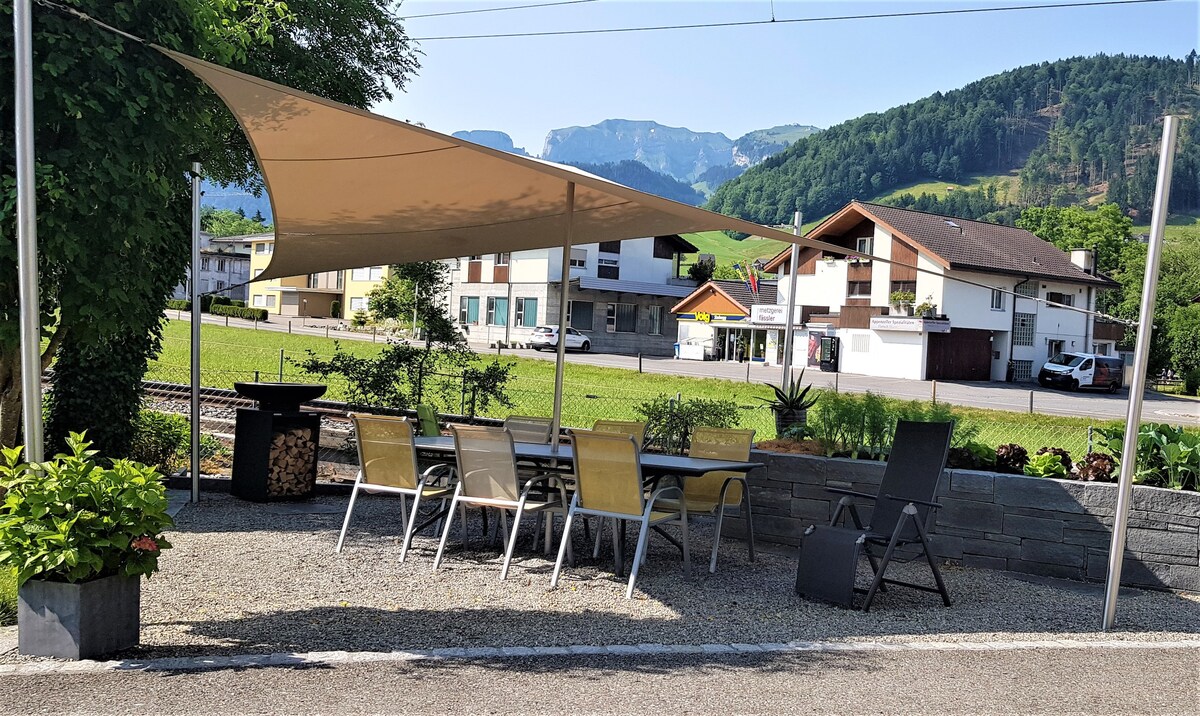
{"x": 1000, "y": 396}
{"x": 1058, "y": 681}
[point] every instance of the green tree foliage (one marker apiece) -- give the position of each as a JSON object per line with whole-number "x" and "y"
{"x": 1071, "y": 125}
{"x": 1106, "y": 230}
{"x": 980, "y": 204}
{"x": 422, "y": 288}
{"x": 224, "y": 222}
{"x": 1178, "y": 284}
{"x": 117, "y": 126}
{"x": 1185, "y": 339}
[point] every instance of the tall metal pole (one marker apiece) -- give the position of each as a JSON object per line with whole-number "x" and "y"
{"x": 196, "y": 318}
{"x": 27, "y": 261}
{"x": 789, "y": 330}
{"x": 1133, "y": 416}
{"x": 560, "y": 360}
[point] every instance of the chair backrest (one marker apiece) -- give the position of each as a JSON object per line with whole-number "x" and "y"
{"x": 385, "y": 450}
{"x": 525, "y": 429}
{"x": 427, "y": 419}
{"x": 632, "y": 428}
{"x": 914, "y": 467}
{"x": 718, "y": 444}
{"x": 487, "y": 465}
{"x": 608, "y": 474}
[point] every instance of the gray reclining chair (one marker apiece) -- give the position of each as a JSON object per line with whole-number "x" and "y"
{"x": 902, "y": 513}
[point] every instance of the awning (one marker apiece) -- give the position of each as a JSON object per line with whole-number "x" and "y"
{"x": 645, "y": 288}
{"x": 350, "y": 188}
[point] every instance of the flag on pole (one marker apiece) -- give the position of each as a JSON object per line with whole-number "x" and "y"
{"x": 753, "y": 282}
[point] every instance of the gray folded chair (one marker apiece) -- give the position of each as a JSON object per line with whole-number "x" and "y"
{"x": 902, "y": 514}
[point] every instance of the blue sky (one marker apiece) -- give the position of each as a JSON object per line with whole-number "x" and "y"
{"x": 734, "y": 80}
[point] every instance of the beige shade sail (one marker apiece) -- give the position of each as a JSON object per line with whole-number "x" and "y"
{"x": 349, "y": 188}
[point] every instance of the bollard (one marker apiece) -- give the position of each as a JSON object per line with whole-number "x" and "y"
{"x": 289, "y": 325}
{"x": 639, "y": 362}
{"x": 373, "y": 330}
{"x": 748, "y": 364}
{"x": 280, "y": 365}
{"x": 255, "y": 376}
{"x": 256, "y": 323}
{"x": 1031, "y": 402}
{"x": 835, "y": 382}
{"x": 1089, "y": 439}
{"x": 227, "y": 321}
{"x": 934, "y": 392}
{"x": 326, "y": 330}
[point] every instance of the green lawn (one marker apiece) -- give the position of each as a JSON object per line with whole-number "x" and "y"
{"x": 1179, "y": 227}
{"x": 590, "y": 392}
{"x": 940, "y": 188}
{"x": 728, "y": 251}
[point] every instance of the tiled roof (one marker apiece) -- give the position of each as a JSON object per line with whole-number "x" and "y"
{"x": 980, "y": 246}
{"x": 739, "y": 292}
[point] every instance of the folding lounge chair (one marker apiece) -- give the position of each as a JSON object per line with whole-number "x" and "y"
{"x": 902, "y": 514}
{"x": 389, "y": 465}
{"x": 632, "y": 428}
{"x": 714, "y": 491}
{"x": 608, "y": 483}
{"x": 487, "y": 477}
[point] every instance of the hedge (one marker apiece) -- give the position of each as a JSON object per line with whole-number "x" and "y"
{"x": 249, "y": 314}
{"x": 177, "y": 304}
{"x": 221, "y": 301}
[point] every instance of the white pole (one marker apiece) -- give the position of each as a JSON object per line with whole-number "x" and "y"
{"x": 1133, "y": 416}
{"x": 196, "y": 319}
{"x": 27, "y": 261}
{"x": 789, "y": 330}
{"x": 560, "y": 360}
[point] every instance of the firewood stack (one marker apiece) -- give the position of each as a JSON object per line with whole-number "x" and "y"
{"x": 293, "y": 457}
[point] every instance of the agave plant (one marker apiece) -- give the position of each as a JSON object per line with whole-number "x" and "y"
{"x": 791, "y": 403}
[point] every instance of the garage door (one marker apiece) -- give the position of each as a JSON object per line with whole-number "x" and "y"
{"x": 961, "y": 354}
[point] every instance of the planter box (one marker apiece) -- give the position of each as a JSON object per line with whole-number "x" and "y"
{"x": 78, "y": 621}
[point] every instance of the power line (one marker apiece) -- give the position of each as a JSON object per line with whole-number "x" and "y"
{"x": 832, "y": 18}
{"x": 493, "y": 9}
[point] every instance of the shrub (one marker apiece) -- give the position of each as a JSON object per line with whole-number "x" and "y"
{"x": 249, "y": 314}
{"x": 972, "y": 456}
{"x": 1062, "y": 455}
{"x": 177, "y": 304}
{"x": 238, "y": 302}
{"x": 1191, "y": 382}
{"x": 160, "y": 439}
{"x": 1011, "y": 458}
{"x": 335, "y": 308}
{"x": 669, "y": 423}
{"x": 360, "y": 319}
{"x": 72, "y": 520}
{"x": 1097, "y": 467}
{"x": 221, "y": 301}
{"x": 205, "y": 303}
{"x": 1167, "y": 456}
{"x": 1045, "y": 464}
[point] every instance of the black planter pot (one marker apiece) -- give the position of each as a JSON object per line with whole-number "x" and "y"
{"x": 785, "y": 419}
{"x": 78, "y": 621}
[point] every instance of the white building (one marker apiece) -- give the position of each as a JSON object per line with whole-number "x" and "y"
{"x": 978, "y": 332}
{"x": 620, "y": 294}
{"x": 224, "y": 263}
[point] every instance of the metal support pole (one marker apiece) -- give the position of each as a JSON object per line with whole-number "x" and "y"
{"x": 639, "y": 362}
{"x": 560, "y": 360}
{"x": 1133, "y": 416}
{"x": 1031, "y": 402}
{"x": 789, "y": 330}
{"x": 935, "y": 392}
{"x": 27, "y": 260}
{"x": 195, "y": 325}
{"x": 280, "y": 365}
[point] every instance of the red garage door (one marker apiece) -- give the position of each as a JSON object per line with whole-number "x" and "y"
{"x": 961, "y": 354}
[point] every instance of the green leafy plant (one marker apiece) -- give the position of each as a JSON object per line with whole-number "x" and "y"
{"x": 1062, "y": 454}
{"x": 1167, "y": 456}
{"x": 1011, "y": 458}
{"x": 250, "y": 314}
{"x": 159, "y": 439}
{"x": 898, "y": 297}
{"x": 670, "y": 422}
{"x": 176, "y": 304}
{"x": 359, "y": 319}
{"x": 791, "y": 396}
{"x": 1045, "y": 464}
{"x": 972, "y": 456}
{"x": 1191, "y": 382}
{"x": 1096, "y": 467}
{"x": 69, "y": 519}
{"x": 335, "y": 308}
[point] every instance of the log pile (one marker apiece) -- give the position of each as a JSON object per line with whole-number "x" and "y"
{"x": 293, "y": 454}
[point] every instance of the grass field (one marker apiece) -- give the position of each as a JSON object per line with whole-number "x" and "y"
{"x": 728, "y": 251}
{"x": 590, "y": 392}
{"x": 940, "y": 188}
{"x": 1179, "y": 227}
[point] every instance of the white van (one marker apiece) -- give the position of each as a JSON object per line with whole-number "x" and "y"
{"x": 1073, "y": 371}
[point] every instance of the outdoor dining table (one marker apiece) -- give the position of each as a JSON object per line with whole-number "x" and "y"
{"x": 653, "y": 465}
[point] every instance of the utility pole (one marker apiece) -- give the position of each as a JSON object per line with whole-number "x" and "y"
{"x": 788, "y": 330}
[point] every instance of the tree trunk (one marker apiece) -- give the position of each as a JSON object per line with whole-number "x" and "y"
{"x": 10, "y": 397}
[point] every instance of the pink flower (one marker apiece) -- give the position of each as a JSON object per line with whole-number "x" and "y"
{"x": 145, "y": 544}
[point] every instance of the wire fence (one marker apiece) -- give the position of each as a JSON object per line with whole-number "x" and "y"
{"x": 165, "y": 390}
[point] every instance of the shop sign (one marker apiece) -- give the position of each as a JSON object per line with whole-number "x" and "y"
{"x": 774, "y": 315}
{"x": 910, "y": 325}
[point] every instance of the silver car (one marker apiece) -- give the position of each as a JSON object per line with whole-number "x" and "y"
{"x": 547, "y": 337}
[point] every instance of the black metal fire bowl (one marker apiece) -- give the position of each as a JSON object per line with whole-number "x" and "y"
{"x": 280, "y": 396}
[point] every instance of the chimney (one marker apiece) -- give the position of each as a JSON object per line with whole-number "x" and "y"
{"x": 1084, "y": 259}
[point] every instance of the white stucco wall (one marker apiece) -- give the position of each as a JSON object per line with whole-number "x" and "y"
{"x": 971, "y": 306}
{"x": 889, "y": 354}
{"x": 880, "y": 273}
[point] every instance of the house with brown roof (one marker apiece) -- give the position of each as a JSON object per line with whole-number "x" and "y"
{"x": 716, "y": 322}
{"x": 909, "y": 319}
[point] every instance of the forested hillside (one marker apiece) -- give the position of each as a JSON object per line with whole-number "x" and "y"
{"x": 1076, "y": 128}
{"x": 641, "y": 177}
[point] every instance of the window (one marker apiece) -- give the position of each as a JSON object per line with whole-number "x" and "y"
{"x": 608, "y": 270}
{"x": 1053, "y": 348}
{"x": 501, "y": 259}
{"x": 370, "y": 273}
{"x": 264, "y": 301}
{"x": 314, "y": 280}
{"x": 341, "y": 280}
{"x": 257, "y": 272}
{"x": 468, "y": 310}
{"x": 1087, "y": 365}
{"x": 526, "y": 313}
{"x": 220, "y": 286}
{"x": 359, "y": 303}
{"x": 997, "y": 300}
{"x": 864, "y": 244}
{"x": 610, "y": 247}
{"x": 621, "y": 318}
{"x": 477, "y": 258}
{"x": 1063, "y": 299}
{"x": 905, "y": 286}
{"x": 204, "y": 264}
{"x": 656, "y": 320}
{"x": 860, "y": 343}
{"x": 1023, "y": 329}
{"x": 1028, "y": 289}
{"x": 1100, "y": 349}
{"x": 579, "y": 315}
{"x": 578, "y": 258}
{"x": 859, "y": 289}
{"x": 497, "y": 311}
{"x": 1022, "y": 370}
{"x": 220, "y": 264}
{"x": 264, "y": 248}
{"x": 664, "y": 247}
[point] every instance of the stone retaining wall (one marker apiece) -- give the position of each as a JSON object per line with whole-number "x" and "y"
{"x": 1058, "y": 528}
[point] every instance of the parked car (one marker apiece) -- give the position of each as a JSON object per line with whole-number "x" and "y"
{"x": 1073, "y": 371}
{"x": 547, "y": 337}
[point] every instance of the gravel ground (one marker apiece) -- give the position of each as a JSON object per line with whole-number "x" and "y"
{"x": 248, "y": 579}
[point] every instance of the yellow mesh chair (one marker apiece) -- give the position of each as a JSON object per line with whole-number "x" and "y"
{"x": 632, "y": 428}
{"x": 388, "y": 462}
{"x": 525, "y": 429}
{"x": 713, "y": 491}
{"x": 487, "y": 477}
{"x": 608, "y": 483}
